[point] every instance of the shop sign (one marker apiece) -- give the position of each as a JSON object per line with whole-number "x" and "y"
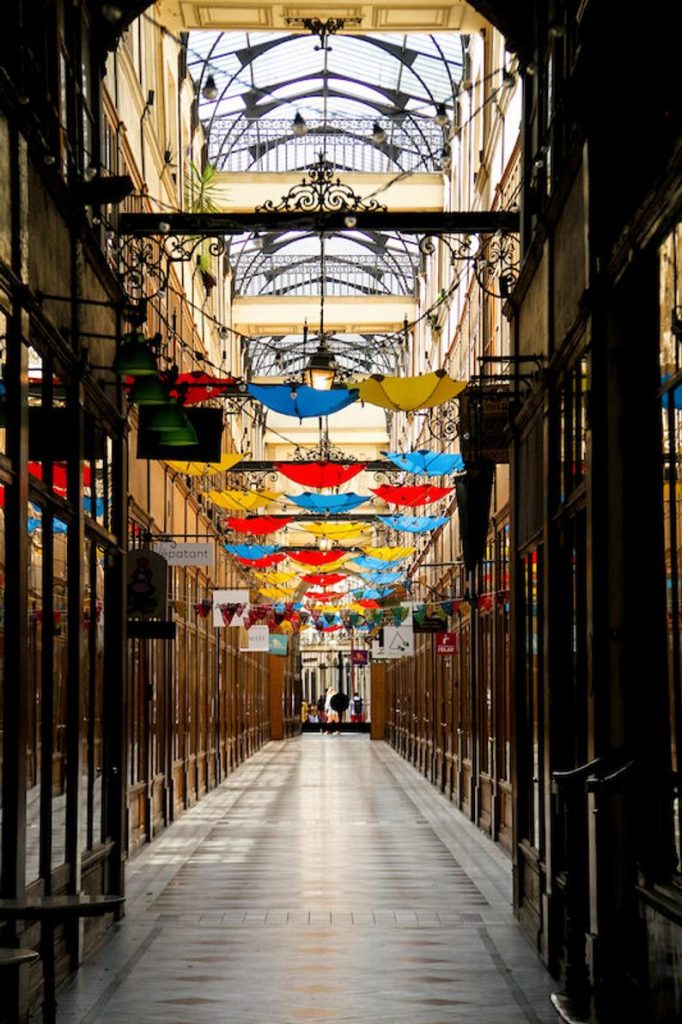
{"x": 446, "y": 643}
{"x": 259, "y": 638}
{"x": 398, "y": 641}
{"x": 230, "y": 607}
{"x": 185, "y": 554}
{"x": 359, "y": 658}
{"x": 279, "y": 643}
{"x": 146, "y": 584}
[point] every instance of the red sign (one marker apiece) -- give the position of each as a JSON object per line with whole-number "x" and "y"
{"x": 446, "y": 643}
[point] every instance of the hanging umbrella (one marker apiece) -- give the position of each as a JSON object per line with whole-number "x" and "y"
{"x": 389, "y": 554}
{"x": 276, "y": 593}
{"x": 275, "y": 576}
{"x": 336, "y": 531}
{"x": 378, "y": 579}
{"x": 302, "y": 401}
{"x": 364, "y": 562}
{"x": 421, "y": 494}
{"x": 320, "y": 474}
{"x": 258, "y": 525}
{"x": 315, "y": 557}
{"x": 367, "y": 603}
{"x": 242, "y": 501}
{"x": 264, "y": 562}
{"x": 427, "y": 463}
{"x": 198, "y": 386}
{"x": 414, "y": 524}
{"x": 405, "y": 394}
{"x": 204, "y": 468}
{"x": 252, "y": 551}
{"x": 371, "y": 594}
{"x": 324, "y": 579}
{"x": 327, "y": 504}
{"x": 324, "y": 595}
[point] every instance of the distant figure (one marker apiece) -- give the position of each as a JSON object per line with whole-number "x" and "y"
{"x": 331, "y": 716}
{"x": 313, "y": 716}
{"x": 304, "y": 711}
{"x": 356, "y": 708}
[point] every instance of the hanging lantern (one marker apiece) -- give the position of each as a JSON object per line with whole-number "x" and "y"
{"x": 135, "y": 358}
{"x": 321, "y": 368}
{"x": 148, "y": 391}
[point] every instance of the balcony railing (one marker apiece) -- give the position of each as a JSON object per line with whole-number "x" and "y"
{"x": 345, "y": 275}
{"x": 270, "y": 145}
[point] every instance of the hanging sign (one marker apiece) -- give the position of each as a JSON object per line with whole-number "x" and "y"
{"x": 430, "y": 618}
{"x": 398, "y": 641}
{"x": 446, "y": 643}
{"x": 279, "y": 643}
{"x": 259, "y": 638}
{"x": 359, "y": 658}
{"x": 146, "y": 585}
{"x": 185, "y": 554}
{"x": 230, "y": 607}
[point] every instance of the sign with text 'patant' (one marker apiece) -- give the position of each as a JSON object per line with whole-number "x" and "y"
{"x": 177, "y": 553}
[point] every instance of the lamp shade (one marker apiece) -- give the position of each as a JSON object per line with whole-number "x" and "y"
{"x": 406, "y": 394}
{"x": 148, "y": 391}
{"x": 320, "y": 474}
{"x": 321, "y": 369}
{"x": 423, "y": 494}
{"x": 426, "y": 463}
{"x": 301, "y": 401}
{"x": 167, "y": 417}
{"x": 135, "y": 358}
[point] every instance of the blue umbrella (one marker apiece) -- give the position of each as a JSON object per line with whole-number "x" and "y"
{"x": 377, "y": 564}
{"x": 425, "y": 462}
{"x": 378, "y": 579}
{"x": 252, "y": 550}
{"x": 414, "y": 524}
{"x": 371, "y": 594}
{"x": 302, "y": 401}
{"x": 327, "y": 503}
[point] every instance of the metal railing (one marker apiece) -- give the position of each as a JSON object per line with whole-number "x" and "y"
{"x": 344, "y": 276}
{"x": 270, "y": 145}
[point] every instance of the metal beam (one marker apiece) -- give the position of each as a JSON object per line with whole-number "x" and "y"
{"x": 414, "y": 222}
{"x": 267, "y": 466}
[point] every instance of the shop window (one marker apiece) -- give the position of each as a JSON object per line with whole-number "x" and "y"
{"x": 60, "y": 677}
{"x": 502, "y": 654}
{"x": 35, "y": 682}
{"x": 573, "y": 429}
{"x": 531, "y": 757}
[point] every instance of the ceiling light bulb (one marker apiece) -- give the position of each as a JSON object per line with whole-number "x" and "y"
{"x": 90, "y": 173}
{"x": 441, "y": 118}
{"x": 378, "y": 134}
{"x": 164, "y": 227}
{"x": 210, "y": 90}
{"x": 299, "y": 126}
{"x": 350, "y": 220}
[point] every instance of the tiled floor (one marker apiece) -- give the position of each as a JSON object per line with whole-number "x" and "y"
{"x": 325, "y": 881}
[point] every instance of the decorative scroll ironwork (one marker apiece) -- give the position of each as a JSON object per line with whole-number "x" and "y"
{"x": 323, "y": 29}
{"x": 143, "y": 263}
{"x": 320, "y": 192}
{"x": 442, "y": 423}
{"x": 494, "y": 259}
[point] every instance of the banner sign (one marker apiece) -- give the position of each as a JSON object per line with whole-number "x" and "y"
{"x": 146, "y": 585}
{"x": 185, "y": 554}
{"x": 230, "y": 607}
{"x": 446, "y": 643}
{"x": 398, "y": 641}
{"x": 259, "y": 638}
{"x": 279, "y": 643}
{"x": 359, "y": 658}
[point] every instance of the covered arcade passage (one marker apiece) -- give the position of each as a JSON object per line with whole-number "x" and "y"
{"x": 325, "y": 881}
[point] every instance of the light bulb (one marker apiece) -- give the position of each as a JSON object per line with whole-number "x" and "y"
{"x": 299, "y": 126}
{"x": 210, "y": 90}
{"x": 350, "y": 220}
{"x": 441, "y": 117}
{"x": 378, "y": 134}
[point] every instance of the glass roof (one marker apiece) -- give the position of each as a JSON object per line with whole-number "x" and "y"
{"x": 368, "y": 103}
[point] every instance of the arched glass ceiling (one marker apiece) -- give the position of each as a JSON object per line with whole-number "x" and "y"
{"x": 356, "y": 354}
{"x": 264, "y": 79}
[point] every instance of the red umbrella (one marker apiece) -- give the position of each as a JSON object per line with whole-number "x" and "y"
{"x": 262, "y": 563}
{"x": 198, "y": 386}
{"x": 315, "y": 557}
{"x": 417, "y": 494}
{"x": 321, "y": 474}
{"x": 324, "y": 579}
{"x": 258, "y": 525}
{"x": 368, "y": 602}
{"x": 58, "y": 474}
{"x": 327, "y": 596}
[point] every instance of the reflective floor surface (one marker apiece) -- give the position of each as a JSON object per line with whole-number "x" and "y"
{"x": 326, "y": 880}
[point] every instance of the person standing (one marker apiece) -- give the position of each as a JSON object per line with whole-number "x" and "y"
{"x": 356, "y": 708}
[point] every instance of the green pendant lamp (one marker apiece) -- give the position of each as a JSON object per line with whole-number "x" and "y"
{"x": 171, "y": 424}
{"x": 148, "y": 391}
{"x": 135, "y": 358}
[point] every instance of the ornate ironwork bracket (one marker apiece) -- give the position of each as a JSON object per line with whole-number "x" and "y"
{"x": 143, "y": 263}
{"x": 320, "y": 192}
{"x": 494, "y": 258}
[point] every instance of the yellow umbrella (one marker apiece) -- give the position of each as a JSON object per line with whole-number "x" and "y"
{"x": 242, "y": 501}
{"x": 405, "y": 394}
{"x": 276, "y": 576}
{"x": 336, "y": 531}
{"x": 387, "y": 554}
{"x": 277, "y": 593}
{"x": 204, "y": 468}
